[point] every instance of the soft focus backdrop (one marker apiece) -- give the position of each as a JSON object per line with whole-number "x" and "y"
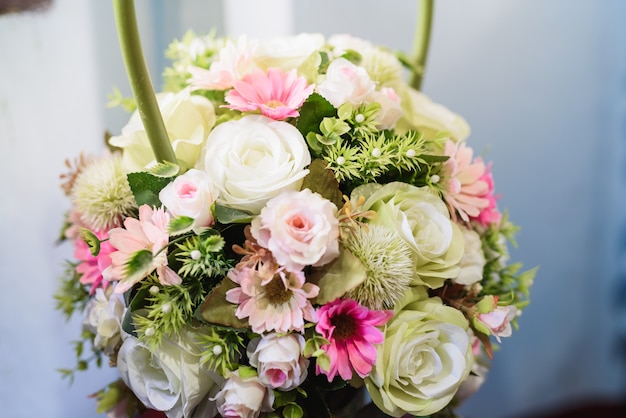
{"x": 542, "y": 84}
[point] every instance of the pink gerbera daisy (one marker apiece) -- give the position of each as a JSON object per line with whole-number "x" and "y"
{"x": 276, "y": 94}
{"x": 149, "y": 232}
{"x": 272, "y": 299}
{"x": 91, "y": 267}
{"x": 351, "y": 330}
{"x": 490, "y": 214}
{"x": 465, "y": 190}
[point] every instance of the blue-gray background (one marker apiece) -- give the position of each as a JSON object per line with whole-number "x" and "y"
{"x": 541, "y": 83}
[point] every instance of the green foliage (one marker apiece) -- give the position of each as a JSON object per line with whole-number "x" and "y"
{"x": 138, "y": 266}
{"x": 202, "y": 256}
{"x": 221, "y": 349}
{"x": 312, "y": 113}
{"x": 227, "y": 215}
{"x": 180, "y": 225}
{"x": 72, "y": 294}
{"x": 165, "y": 169}
{"x": 321, "y": 180}
{"x": 116, "y": 98}
{"x": 146, "y": 188}
{"x": 92, "y": 241}
{"x": 82, "y": 363}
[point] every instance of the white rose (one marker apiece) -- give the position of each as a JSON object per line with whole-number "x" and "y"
{"x": 425, "y": 357}
{"x": 244, "y": 397}
{"x": 253, "y": 159}
{"x": 346, "y": 83}
{"x": 188, "y": 120}
{"x": 190, "y": 194}
{"x": 288, "y": 52}
{"x": 104, "y": 319}
{"x": 473, "y": 260}
{"x": 168, "y": 379}
{"x": 299, "y": 228}
{"x": 278, "y": 360}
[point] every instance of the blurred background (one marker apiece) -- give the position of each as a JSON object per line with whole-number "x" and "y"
{"x": 541, "y": 83}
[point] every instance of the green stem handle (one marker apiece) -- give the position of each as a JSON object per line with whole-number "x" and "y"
{"x": 421, "y": 42}
{"x": 139, "y": 78}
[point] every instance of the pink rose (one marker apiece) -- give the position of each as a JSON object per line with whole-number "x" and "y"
{"x": 499, "y": 320}
{"x": 299, "y": 228}
{"x": 391, "y": 110}
{"x": 243, "y": 398}
{"x": 346, "y": 83}
{"x": 278, "y": 360}
{"x": 190, "y": 194}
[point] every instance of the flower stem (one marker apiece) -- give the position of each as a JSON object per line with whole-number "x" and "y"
{"x": 421, "y": 42}
{"x": 140, "y": 82}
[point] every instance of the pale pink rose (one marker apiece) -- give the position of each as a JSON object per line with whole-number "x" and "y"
{"x": 299, "y": 228}
{"x": 278, "y": 360}
{"x": 244, "y": 397}
{"x": 346, "y": 83}
{"x": 278, "y": 95}
{"x": 234, "y": 61}
{"x": 499, "y": 320}
{"x": 149, "y": 232}
{"x": 190, "y": 194}
{"x": 465, "y": 190}
{"x": 391, "y": 110}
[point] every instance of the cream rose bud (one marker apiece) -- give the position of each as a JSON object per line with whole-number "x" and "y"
{"x": 391, "y": 110}
{"x": 425, "y": 357}
{"x": 244, "y": 397}
{"x": 188, "y": 120}
{"x": 170, "y": 377}
{"x": 190, "y": 194}
{"x": 346, "y": 83}
{"x": 253, "y": 159}
{"x": 299, "y": 228}
{"x": 473, "y": 260}
{"x": 278, "y": 360}
{"x": 104, "y": 319}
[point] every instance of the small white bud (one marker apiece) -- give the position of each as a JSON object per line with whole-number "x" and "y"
{"x": 434, "y": 179}
{"x": 149, "y": 332}
{"x": 359, "y": 118}
{"x": 154, "y": 290}
{"x": 195, "y": 255}
{"x": 340, "y": 160}
{"x": 166, "y": 308}
{"x": 217, "y": 350}
{"x": 411, "y": 153}
{"x": 376, "y": 152}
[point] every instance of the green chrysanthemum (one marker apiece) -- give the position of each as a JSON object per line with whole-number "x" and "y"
{"x": 387, "y": 260}
{"x": 102, "y": 194}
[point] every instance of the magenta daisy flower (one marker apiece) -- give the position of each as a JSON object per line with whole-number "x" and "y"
{"x": 351, "y": 330}
{"x": 272, "y": 299}
{"x": 276, "y": 94}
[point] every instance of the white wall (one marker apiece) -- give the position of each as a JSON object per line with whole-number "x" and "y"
{"x": 540, "y": 82}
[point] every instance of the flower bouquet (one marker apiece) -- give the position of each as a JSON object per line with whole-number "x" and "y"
{"x": 288, "y": 223}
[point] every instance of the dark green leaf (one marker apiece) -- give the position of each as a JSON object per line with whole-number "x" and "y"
{"x": 146, "y": 188}
{"x": 180, "y": 224}
{"x": 226, "y": 215}
{"x": 217, "y": 310}
{"x": 322, "y": 180}
{"x": 313, "y": 111}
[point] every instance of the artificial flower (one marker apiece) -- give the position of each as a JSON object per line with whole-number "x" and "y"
{"x": 352, "y": 332}
{"x": 498, "y": 321}
{"x": 253, "y": 159}
{"x": 276, "y": 94}
{"x": 243, "y": 397}
{"x": 272, "y": 299}
{"x": 300, "y": 228}
{"x": 190, "y": 194}
{"x": 279, "y": 360}
{"x": 91, "y": 267}
{"x": 346, "y": 83}
{"x": 104, "y": 319}
{"x": 473, "y": 260}
{"x": 390, "y": 107}
{"x": 149, "y": 232}
{"x": 464, "y": 191}
{"x": 425, "y": 356}
{"x": 490, "y": 214}
{"x": 289, "y": 52}
{"x": 188, "y": 120}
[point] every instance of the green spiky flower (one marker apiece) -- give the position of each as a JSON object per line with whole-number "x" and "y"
{"x": 388, "y": 262}
{"x": 102, "y": 194}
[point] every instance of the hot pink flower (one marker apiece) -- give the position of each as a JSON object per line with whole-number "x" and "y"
{"x": 465, "y": 190}
{"x": 91, "y": 267}
{"x": 490, "y": 214}
{"x": 276, "y": 94}
{"x": 272, "y": 298}
{"x": 351, "y": 330}
{"x": 149, "y": 232}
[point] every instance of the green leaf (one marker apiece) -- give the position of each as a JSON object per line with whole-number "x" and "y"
{"x": 217, "y": 310}
{"x": 137, "y": 303}
{"x": 165, "y": 169}
{"x": 226, "y": 215}
{"x": 247, "y": 371}
{"x": 431, "y": 159}
{"x": 92, "y": 241}
{"x": 352, "y": 56}
{"x": 180, "y": 224}
{"x": 322, "y": 180}
{"x": 338, "y": 277}
{"x": 313, "y": 111}
{"x": 293, "y": 411}
{"x": 109, "y": 400}
{"x": 146, "y": 188}
{"x": 138, "y": 266}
